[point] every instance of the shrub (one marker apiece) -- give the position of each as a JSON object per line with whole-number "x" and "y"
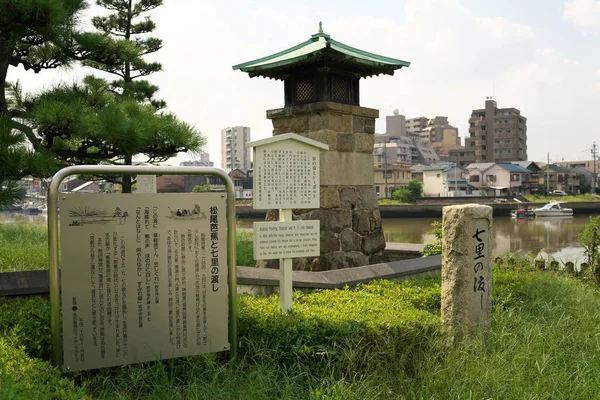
{"x": 589, "y": 239}
{"x": 416, "y": 188}
{"x": 408, "y": 194}
{"x": 435, "y": 247}
{"x": 29, "y": 320}
{"x": 353, "y": 328}
{"x": 403, "y": 195}
{"x": 22, "y": 377}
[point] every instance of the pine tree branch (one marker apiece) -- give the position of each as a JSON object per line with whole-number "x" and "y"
{"x": 29, "y": 133}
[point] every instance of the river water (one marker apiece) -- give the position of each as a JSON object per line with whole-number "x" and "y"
{"x": 555, "y": 236}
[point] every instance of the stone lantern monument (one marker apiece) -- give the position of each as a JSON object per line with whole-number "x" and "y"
{"x": 321, "y": 91}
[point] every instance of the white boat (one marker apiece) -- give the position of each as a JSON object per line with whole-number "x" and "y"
{"x": 553, "y": 210}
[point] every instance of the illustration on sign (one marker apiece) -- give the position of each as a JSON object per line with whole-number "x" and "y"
{"x": 81, "y": 215}
{"x": 184, "y": 213}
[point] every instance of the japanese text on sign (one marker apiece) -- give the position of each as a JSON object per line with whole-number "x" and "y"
{"x": 480, "y": 251}
{"x": 286, "y": 175}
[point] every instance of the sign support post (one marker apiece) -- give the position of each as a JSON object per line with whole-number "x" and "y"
{"x": 53, "y": 234}
{"x": 285, "y": 266}
{"x": 286, "y": 176}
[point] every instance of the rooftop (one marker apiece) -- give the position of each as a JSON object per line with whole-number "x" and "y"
{"x": 315, "y": 50}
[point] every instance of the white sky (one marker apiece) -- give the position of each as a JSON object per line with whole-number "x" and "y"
{"x": 540, "y": 56}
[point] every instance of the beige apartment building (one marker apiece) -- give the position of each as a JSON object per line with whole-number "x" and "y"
{"x": 386, "y": 179}
{"x": 234, "y": 153}
{"x": 497, "y": 134}
{"x": 461, "y": 156}
{"x": 416, "y": 125}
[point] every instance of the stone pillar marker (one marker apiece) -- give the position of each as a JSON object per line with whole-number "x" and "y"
{"x": 466, "y": 269}
{"x": 321, "y": 102}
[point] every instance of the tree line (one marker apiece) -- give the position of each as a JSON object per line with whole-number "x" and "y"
{"x": 92, "y": 121}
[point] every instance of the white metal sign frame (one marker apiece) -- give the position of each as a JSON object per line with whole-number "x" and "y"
{"x": 53, "y": 235}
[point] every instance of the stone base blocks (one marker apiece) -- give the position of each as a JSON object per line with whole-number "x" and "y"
{"x": 351, "y": 234}
{"x": 466, "y": 270}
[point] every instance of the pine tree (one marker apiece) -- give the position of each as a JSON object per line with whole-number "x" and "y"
{"x": 86, "y": 123}
{"x": 125, "y": 37}
{"x": 119, "y": 49}
{"x": 33, "y": 34}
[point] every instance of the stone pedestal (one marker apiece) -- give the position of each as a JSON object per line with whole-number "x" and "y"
{"x": 351, "y": 234}
{"x": 466, "y": 269}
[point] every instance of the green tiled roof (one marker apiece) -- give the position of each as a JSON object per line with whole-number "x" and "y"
{"x": 321, "y": 46}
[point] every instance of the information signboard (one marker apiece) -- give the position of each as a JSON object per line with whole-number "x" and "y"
{"x": 286, "y": 172}
{"x": 146, "y": 184}
{"x": 273, "y": 240}
{"x": 143, "y": 277}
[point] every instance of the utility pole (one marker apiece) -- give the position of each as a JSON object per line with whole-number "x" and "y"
{"x": 594, "y": 179}
{"x": 548, "y": 176}
{"x": 455, "y": 178}
{"x": 385, "y": 169}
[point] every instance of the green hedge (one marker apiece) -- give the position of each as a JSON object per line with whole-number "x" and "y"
{"x": 23, "y": 377}
{"x": 388, "y": 321}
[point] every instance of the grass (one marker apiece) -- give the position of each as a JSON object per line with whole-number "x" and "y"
{"x": 379, "y": 341}
{"x": 245, "y": 248}
{"x": 566, "y": 199}
{"x": 530, "y": 198}
{"x": 24, "y": 247}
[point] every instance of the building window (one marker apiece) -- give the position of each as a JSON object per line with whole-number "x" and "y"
{"x": 515, "y": 177}
{"x": 474, "y": 178}
{"x": 377, "y": 190}
{"x": 388, "y": 174}
{"x": 490, "y": 178}
{"x": 438, "y": 175}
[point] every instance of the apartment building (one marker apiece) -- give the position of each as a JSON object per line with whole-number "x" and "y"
{"x": 234, "y": 153}
{"x": 497, "y": 134}
{"x": 202, "y": 161}
{"x": 416, "y": 125}
{"x": 398, "y": 146}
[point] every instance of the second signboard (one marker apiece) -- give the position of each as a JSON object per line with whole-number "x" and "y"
{"x": 292, "y": 239}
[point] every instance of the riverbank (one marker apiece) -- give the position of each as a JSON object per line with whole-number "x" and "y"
{"x": 434, "y": 209}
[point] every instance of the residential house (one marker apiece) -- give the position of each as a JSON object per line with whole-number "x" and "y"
{"x": 445, "y": 180}
{"x": 83, "y": 186}
{"x": 554, "y": 177}
{"x": 388, "y": 177}
{"x": 170, "y": 184}
{"x": 242, "y": 183}
{"x": 532, "y": 186}
{"x": 416, "y": 172}
{"x": 475, "y": 174}
{"x": 501, "y": 178}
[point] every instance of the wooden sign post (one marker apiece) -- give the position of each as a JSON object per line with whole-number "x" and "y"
{"x": 286, "y": 177}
